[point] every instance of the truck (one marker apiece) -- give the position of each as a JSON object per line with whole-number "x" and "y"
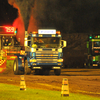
{"x": 8, "y": 45}
{"x": 43, "y": 52}
{"x": 92, "y": 58}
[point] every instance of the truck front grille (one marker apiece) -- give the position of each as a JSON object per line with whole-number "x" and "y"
{"x": 46, "y": 57}
{"x": 46, "y": 60}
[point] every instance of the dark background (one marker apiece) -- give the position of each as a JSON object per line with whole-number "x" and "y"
{"x": 69, "y": 16}
{"x": 7, "y": 13}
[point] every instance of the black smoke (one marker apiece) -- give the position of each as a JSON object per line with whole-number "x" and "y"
{"x": 69, "y": 15}
{"x": 25, "y": 8}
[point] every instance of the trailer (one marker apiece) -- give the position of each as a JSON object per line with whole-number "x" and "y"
{"x": 43, "y": 52}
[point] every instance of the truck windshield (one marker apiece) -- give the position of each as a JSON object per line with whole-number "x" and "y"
{"x": 96, "y": 44}
{"x": 48, "y": 42}
{"x": 7, "y": 41}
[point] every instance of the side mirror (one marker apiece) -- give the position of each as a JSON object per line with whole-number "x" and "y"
{"x": 63, "y": 43}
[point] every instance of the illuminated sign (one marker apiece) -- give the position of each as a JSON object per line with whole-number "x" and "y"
{"x": 95, "y": 40}
{"x": 7, "y": 30}
{"x": 46, "y": 31}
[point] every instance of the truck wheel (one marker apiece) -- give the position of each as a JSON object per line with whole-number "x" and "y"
{"x": 57, "y": 71}
{"x": 27, "y": 70}
{"x": 15, "y": 67}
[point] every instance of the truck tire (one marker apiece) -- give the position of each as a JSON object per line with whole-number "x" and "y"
{"x": 15, "y": 67}
{"x": 27, "y": 70}
{"x": 57, "y": 71}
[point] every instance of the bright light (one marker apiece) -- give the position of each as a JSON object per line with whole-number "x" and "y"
{"x": 33, "y": 49}
{"x": 58, "y": 32}
{"x": 22, "y": 52}
{"x": 9, "y": 29}
{"x": 98, "y": 36}
{"x": 32, "y": 60}
{"x": 34, "y": 32}
{"x": 46, "y": 31}
{"x": 37, "y": 68}
{"x": 51, "y": 55}
{"x": 60, "y": 60}
{"x": 56, "y": 68}
{"x": 90, "y": 37}
{"x": 93, "y": 58}
{"x": 15, "y": 31}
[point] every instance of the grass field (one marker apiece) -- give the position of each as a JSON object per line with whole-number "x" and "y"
{"x": 11, "y": 92}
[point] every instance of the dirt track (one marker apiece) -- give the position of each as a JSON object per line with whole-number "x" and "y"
{"x": 85, "y": 81}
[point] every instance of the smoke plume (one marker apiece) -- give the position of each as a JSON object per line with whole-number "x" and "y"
{"x": 24, "y": 8}
{"x": 25, "y": 20}
{"x": 68, "y": 16}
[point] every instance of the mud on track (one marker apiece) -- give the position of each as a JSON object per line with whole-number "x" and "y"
{"x": 85, "y": 81}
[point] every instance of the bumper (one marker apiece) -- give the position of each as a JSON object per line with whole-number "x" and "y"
{"x": 96, "y": 63}
{"x": 46, "y": 67}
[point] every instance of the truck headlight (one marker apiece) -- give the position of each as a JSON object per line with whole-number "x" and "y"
{"x": 60, "y": 50}
{"x": 33, "y": 50}
{"x": 32, "y": 60}
{"x": 60, "y": 60}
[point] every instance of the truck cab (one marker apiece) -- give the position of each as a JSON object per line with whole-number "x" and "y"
{"x": 44, "y": 51}
{"x": 93, "y": 56}
{"x": 7, "y": 44}
{"x": 8, "y": 41}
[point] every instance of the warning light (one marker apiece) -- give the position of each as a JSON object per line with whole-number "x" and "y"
{"x": 58, "y": 32}
{"x": 15, "y": 31}
{"x": 93, "y": 58}
{"x": 90, "y": 37}
{"x": 96, "y": 36}
{"x": 34, "y": 32}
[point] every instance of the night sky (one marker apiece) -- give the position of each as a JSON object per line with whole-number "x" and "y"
{"x": 7, "y": 13}
{"x": 69, "y": 16}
